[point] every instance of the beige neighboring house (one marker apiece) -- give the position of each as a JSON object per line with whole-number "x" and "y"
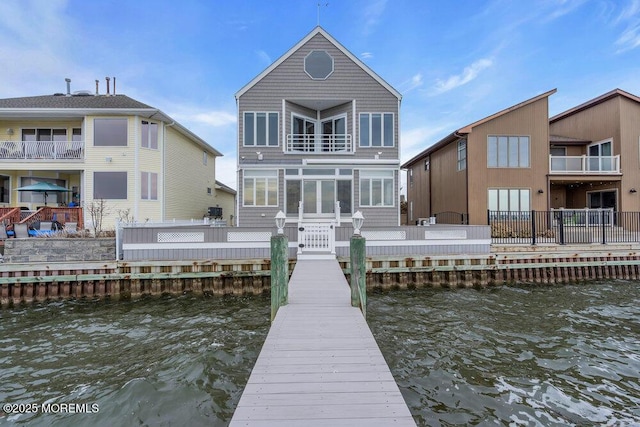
{"x": 226, "y": 199}
{"x": 520, "y": 160}
{"x": 506, "y": 154}
{"x": 104, "y": 146}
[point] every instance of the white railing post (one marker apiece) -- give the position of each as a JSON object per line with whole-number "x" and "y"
{"x": 337, "y": 209}
{"x": 332, "y": 237}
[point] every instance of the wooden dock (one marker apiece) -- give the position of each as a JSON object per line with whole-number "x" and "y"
{"x": 320, "y": 365}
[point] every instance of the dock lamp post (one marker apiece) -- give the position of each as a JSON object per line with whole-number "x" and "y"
{"x": 358, "y": 255}
{"x": 281, "y": 217}
{"x": 279, "y": 266}
{"x": 357, "y": 220}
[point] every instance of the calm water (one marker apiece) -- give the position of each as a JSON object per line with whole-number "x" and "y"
{"x": 563, "y": 355}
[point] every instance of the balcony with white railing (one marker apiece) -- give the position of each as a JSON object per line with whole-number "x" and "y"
{"x": 319, "y": 144}
{"x": 41, "y": 150}
{"x": 584, "y": 165}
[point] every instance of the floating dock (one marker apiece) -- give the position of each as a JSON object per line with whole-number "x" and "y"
{"x": 320, "y": 365}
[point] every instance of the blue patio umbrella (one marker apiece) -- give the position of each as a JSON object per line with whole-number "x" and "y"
{"x": 44, "y": 187}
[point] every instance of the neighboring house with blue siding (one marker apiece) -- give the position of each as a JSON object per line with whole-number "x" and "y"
{"x": 318, "y": 138}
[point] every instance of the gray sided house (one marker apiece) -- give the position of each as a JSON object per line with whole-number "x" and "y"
{"x": 318, "y": 138}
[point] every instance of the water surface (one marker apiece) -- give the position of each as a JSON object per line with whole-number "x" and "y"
{"x": 528, "y": 355}
{"x": 521, "y": 356}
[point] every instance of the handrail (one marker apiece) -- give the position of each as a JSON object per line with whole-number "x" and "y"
{"x": 9, "y": 215}
{"x": 584, "y": 164}
{"x": 304, "y": 143}
{"x": 41, "y": 150}
{"x": 60, "y": 214}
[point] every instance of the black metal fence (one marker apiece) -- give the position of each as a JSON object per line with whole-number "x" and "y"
{"x": 565, "y": 226}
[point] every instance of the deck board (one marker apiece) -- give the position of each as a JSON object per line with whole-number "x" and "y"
{"x": 320, "y": 364}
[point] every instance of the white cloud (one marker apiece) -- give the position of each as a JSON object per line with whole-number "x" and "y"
{"x": 366, "y": 55}
{"x": 630, "y": 37}
{"x": 561, "y": 8}
{"x": 372, "y": 14}
{"x": 410, "y": 84}
{"x": 215, "y": 118}
{"x": 417, "y": 139}
{"x": 264, "y": 57}
{"x": 226, "y": 170}
{"x": 467, "y": 75}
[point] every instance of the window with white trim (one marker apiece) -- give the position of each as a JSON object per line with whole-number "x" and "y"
{"x": 462, "y": 154}
{"x": 148, "y": 186}
{"x": 508, "y": 151}
{"x": 260, "y": 129}
{"x": 149, "y": 135}
{"x": 376, "y": 188}
{"x": 260, "y": 188}
{"x": 509, "y": 199}
{"x": 376, "y": 130}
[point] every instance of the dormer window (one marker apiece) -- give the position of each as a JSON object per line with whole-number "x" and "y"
{"x": 318, "y": 64}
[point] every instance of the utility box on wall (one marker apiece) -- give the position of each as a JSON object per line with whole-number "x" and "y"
{"x": 214, "y": 212}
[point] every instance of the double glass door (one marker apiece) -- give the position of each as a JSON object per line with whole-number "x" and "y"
{"x": 319, "y": 197}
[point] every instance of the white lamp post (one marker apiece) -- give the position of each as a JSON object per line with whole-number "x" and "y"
{"x": 281, "y": 217}
{"x": 357, "y": 220}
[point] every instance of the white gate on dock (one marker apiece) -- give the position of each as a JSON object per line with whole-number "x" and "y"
{"x": 317, "y": 237}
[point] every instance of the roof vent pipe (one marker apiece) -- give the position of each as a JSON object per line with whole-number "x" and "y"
{"x": 68, "y": 80}
{"x": 114, "y": 85}
{"x": 107, "y": 79}
{"x": 97, "y": 82}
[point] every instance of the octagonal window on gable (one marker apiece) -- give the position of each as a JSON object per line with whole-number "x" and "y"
{"x": 318, "y": 64}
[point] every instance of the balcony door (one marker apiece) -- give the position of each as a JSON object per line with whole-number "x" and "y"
{"x": 600, "y": 157}
{"x": 304, "y": 134}
{"x": 334, "y": 134}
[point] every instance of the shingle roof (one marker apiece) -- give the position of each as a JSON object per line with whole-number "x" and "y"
{"x": 78, "y": 105}
{"x": 74, "y": 101}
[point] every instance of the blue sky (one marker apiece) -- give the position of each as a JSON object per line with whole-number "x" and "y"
{"x": 455, "y": 62}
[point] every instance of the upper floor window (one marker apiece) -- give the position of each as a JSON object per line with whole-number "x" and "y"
{"x": 110, "y": 132}
{"x": 318, "y": 64}
{"x": 376, "y": 130}
{"x": 508, "y": 151}
{"x": 149, "y": 135}
{"x": 462, "y": 154}
{"x": 427, "y": 165}
{"x": 44, "y": 134}
{"x": 260, "y": 129}
{"x": 205, "y": 158}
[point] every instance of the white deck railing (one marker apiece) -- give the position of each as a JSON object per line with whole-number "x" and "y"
{"x": 319, "y": 144}
{"x": 586, "y": 217}
{"x": 41, "y": 150}
{"x": 584, "y": 165}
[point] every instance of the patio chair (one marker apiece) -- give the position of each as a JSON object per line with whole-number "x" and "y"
{"x": 21, "y": 230}
{"x": 45, "y": 225}
{"x": 71, "y": 227}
